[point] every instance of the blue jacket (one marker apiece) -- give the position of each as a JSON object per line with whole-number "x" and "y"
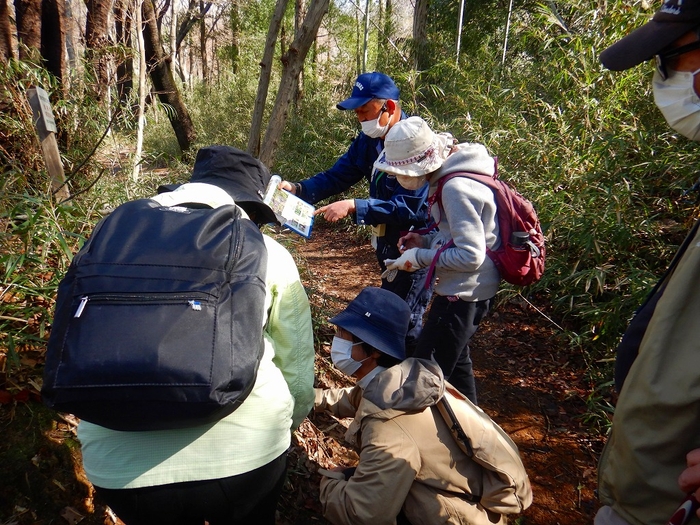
{"x": 388, "y": 202}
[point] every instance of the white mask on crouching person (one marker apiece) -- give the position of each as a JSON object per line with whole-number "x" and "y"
{"x": 678, "y": 102}
{"x": 341, "y": 355}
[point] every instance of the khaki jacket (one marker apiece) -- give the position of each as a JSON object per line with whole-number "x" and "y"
{"x": 657, "y": 418}
{"x": 408, "y": 458}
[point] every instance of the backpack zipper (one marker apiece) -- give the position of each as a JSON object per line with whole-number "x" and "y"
{"x": 194, "y": 300}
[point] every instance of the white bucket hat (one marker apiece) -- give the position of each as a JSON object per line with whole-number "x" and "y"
{"x": 412, "y": 149}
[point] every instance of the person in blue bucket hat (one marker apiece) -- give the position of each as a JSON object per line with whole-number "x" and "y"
{"x": 410, "y": 470}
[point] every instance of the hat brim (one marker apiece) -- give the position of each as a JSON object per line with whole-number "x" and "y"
{"x": 643, "y": 43}
{"x": 165, "y": 188}
{"x": 442, "y": 142}
{"x": 353, "y": 103}
{"x": 417, "y": 169}
{"x": 375, "y": 336}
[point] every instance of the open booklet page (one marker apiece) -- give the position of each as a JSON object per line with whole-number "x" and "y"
{"x": 298, "y": 214}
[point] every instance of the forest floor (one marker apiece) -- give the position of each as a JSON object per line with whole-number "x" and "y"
{"x": 528, "y": 381}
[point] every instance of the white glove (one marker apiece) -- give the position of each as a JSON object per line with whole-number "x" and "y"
{"x": 407, "y": 262}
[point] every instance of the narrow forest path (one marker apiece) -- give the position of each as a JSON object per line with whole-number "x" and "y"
{"x": 527, "y": 380}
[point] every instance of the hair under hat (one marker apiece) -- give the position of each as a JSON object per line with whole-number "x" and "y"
{"x": 412, "y": 149}
{"x": 379, "y": 318}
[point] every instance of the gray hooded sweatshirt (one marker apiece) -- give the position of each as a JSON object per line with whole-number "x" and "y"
{"x": 468, "y": 217}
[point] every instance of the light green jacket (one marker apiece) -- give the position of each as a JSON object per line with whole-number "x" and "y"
{"x": 255, "y": 433}
{"x": 657, "y": 418}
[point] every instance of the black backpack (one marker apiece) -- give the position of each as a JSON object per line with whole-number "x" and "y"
{"x": 159, "y": 319}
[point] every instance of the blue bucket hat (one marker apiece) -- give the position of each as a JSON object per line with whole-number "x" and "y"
{"x": 369, "y": 86}
{"x": 379, "y": 318}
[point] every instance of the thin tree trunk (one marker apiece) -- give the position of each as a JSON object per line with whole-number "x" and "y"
{"x": 365, "y": 38}
{"x": 298, "y": 20}
{"x": 292, "y": 63}
{"x": 70, "y": 32}
{"x": 163, "y": 80}
{"x": 125, "y": 64}
{"x": 6, "y": 51}
{"x": 420, "y": 35}
{"x": 264, "y": 82}
{"x": 96, "y": 42}
{"x": 203, "y": 44}
{"x": 142, "y": 94}
{"x": 235, "y": 35}
{"x": 173, "y": 39}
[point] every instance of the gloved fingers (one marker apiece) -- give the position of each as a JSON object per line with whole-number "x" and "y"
{"x": 390, "y": 275}
{"x": 391, "y": 264}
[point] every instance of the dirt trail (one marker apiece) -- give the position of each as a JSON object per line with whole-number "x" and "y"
{"x": 527, "y": 381}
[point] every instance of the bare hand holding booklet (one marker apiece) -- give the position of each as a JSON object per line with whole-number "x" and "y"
{"x": 298, "y": 214}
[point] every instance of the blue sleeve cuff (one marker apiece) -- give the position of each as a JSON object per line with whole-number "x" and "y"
{"x": 361, "y": 209}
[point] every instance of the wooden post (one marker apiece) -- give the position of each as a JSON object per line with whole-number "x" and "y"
{"x": 46, "y": 129}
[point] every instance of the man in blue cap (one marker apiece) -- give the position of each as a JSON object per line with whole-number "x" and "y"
{"x": 390, "y": 209}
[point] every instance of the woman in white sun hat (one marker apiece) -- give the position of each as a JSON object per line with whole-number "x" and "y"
{"x": 467, "y": 279}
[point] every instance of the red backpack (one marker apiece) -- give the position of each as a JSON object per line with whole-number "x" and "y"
{"x": 520, "y": 257}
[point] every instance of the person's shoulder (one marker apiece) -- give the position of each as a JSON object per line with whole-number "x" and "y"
{"x": 274, "y": 248}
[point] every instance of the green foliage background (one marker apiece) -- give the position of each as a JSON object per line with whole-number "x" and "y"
{"x": 586, "y": 145}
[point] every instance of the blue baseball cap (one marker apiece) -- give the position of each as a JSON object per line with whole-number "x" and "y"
{"x": 369, "y": 86}
{"x": 379, "y": 318}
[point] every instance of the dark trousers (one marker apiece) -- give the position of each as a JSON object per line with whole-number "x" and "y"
{"x": 410, "y": 286}
{"x": 247, "y": 498}
{"x": 450, "y": 325}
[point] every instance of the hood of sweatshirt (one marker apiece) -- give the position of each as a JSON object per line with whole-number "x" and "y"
{"x": 471, "y": 157}
{"x": 411, "y": 386}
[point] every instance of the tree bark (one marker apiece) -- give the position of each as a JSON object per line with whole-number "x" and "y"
{"x": 264, "y": 82}
{"x": 53, "y": 37}
{"x": 203, "y": 43}
{"x": 28, "y": 16}
{"x": 420, "y": 43}
{"x": 163, "y": 80}
{"x": 142, "y": 95}
{"x": 191, "y": 17}
{"x": 235, "y": 35}
{"x": 96, "y": 41}
{"x": 292, "y": 63}
{"x": 125, "y": 62}
{"x": 6, "y": 51}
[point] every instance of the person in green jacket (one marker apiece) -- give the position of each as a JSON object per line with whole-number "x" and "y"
{"x": 650, "y": 465}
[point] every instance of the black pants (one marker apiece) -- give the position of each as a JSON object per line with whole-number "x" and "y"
{"x": 450, "y": 325}
{"x": 247, "y": 498}
{"x": 410, "y": 286}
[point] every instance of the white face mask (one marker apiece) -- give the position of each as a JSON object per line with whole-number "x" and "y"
{"x": 341, "y": 355}
{"x": 371, "y": 128}
{"x": 411, "y": 183}
{"x": 678, "y": 102}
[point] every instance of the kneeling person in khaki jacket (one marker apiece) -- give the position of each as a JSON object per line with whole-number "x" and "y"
{"x": 411, "y": 470}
